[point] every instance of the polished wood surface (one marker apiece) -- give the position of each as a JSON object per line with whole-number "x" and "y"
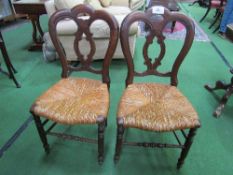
{"x": 156, "y": 19}
{"x": 85, "y": 60}
{"x": 156, "y": 24}
{"x": 86, "y": 92}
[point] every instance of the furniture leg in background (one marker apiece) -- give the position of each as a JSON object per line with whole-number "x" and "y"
{"x": 6, "y": 58}
{"x": 37, "y": 39}
{"x": 34, "y": 9}
{"x": 202, "y": 3}
{"x": 229, "y": 90}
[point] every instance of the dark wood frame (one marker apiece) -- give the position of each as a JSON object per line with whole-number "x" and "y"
{"x": 84, "y": 64}
{"x": 9, "y": 65}
{"x": 229, "y": 91}
{"x": 156, "y": 23}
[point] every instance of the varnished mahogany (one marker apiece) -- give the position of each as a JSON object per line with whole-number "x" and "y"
{"x": 83, "y": 16}
{"x": 84, "y": 30}
{"x": 156, "y": 23}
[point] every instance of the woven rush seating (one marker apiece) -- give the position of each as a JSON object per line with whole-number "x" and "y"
{"x": 74, "y": 101}
{"x": 149, "y": 105}
{"x": 77, "y": 100}
{"x": 156, "y": 107}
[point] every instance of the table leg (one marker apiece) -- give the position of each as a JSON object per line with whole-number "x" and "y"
{"x": 37, "y": 39}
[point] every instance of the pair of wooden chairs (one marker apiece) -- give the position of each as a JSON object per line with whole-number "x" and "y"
{"x": 146, "y": 106}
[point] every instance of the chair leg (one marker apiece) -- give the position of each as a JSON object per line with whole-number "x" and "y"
{"x": 119, "y": 142}
{"x": 101, "y": 128}
{"x": 9, "y": 65}
{"x": 206, "y": 13}
{"x": 223, "y": 102}
{"x": 173, "y": 26}
{"x": 218, "y": 85}
{"x": 187, "y": 145}
{"x": 42, "y": 133}
{"x": 215, "y": 20}
{"x": 216, "y": 29}
{"x": 216, "y": 12}
{"x": 106, "y": 123}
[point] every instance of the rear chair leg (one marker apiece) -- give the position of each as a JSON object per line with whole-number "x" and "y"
{"x": 187, "y": 145}
{"x": 42, "y": 133}
{"x": 119, "y": 142}
{"x": 101, "y": 128}
{"x": 106, "y": 123}
{"x": 206, "y": 13}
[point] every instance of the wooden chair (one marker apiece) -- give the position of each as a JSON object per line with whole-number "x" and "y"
{"x": 76, "y": 101}
{"x": 9, "y": 65}
{"x": 152, "y": 106}
{"x": 213, "y": 4}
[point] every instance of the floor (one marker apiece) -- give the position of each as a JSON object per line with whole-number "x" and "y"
{"x": 21, "y": 151}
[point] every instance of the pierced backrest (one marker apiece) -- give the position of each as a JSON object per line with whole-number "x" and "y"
{"x": 156, "y": 19}
{"x": 83, "y": 16}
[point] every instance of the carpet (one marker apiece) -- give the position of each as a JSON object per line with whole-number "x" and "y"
{"x": 211, "y": 152}
{"x": 179, "y": 32}
{"x": 35, "y": 75}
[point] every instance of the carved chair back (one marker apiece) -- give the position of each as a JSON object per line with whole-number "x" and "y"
{"x": 155, "y": 22}
{"x": 84, "y": 16}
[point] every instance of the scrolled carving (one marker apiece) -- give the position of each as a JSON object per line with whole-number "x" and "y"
{"x": 155, "y": 24}
{"x": 84, "y": 16}
{"x": 157, "y": 61}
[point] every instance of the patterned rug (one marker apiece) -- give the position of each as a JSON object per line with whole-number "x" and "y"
{"x": 179, "y": 32}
